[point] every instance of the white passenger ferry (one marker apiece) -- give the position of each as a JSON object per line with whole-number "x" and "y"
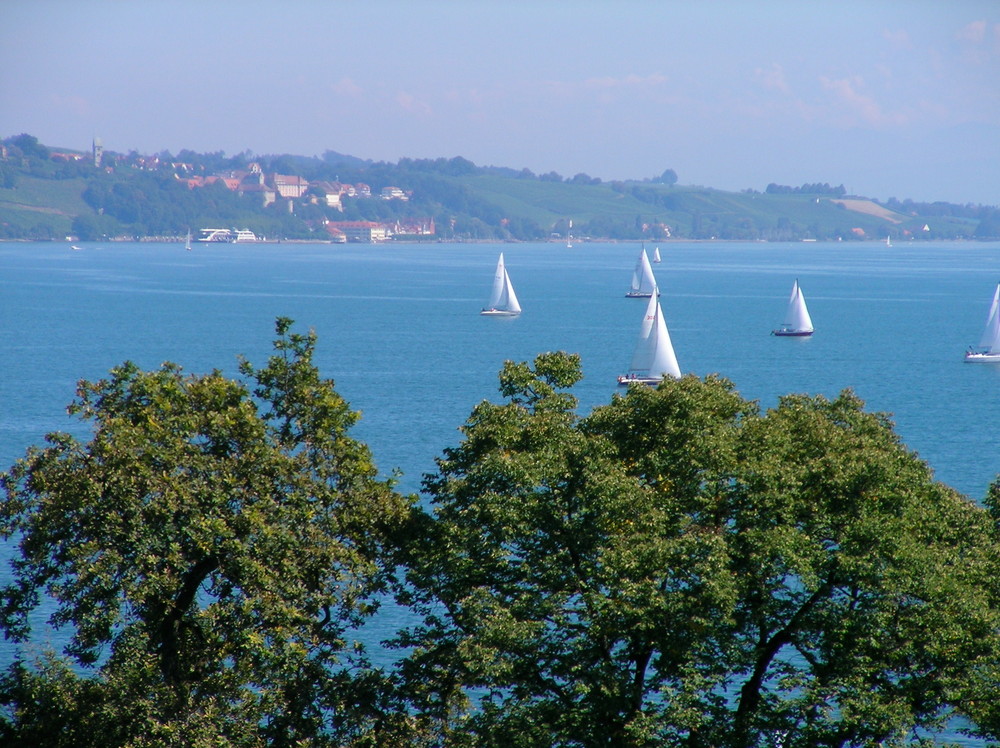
{"x": 227, "y": 235}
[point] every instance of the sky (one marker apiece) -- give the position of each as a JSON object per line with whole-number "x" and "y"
{"x": 891, "y": 98}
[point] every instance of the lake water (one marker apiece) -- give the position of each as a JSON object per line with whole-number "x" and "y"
{"x": 399, "y": 329}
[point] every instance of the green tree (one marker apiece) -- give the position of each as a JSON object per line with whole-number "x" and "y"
{"x": 668, "y": 177}
{"x": 212, "y": 549}
{"x": 677, "y": 569}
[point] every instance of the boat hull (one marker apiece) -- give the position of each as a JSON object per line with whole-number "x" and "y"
{"x": 638, "y": 295}
{"x": 792, "y": 333}
{"x": 498, "y": 313}
{"x": 982, "y": 358}
{"x": 624, "y": 381}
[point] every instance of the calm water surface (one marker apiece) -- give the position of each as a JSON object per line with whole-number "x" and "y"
{"x": 399, "y": 329}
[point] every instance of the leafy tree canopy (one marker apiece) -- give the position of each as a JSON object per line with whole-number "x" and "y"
{"x": 678, "y": 569}
{"x": 212, "y": 548}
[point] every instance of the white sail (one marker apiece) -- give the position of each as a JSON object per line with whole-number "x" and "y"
{"x": 187, "y": 241}
{"x": 990, "y": 339}
{"x": 503, "y": 300}
{"x": 656, "y": 254}
{"x": 797, "y": 320}
{"x": 654, "y": 353}
{"x": 643, "y": 282}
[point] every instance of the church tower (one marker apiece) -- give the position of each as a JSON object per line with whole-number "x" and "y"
{"x": 98, "y": 152}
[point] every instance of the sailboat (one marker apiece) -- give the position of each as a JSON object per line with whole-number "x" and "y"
{"x": 503, "y": 300}
{"x": 989, "y": 342}
{"x": 654, "y": 356}
{"x": 656, "y": 254}
{"x": 797, "y": 322}
{"x": 187, "y": 241}
{"x": 643, "y": 282}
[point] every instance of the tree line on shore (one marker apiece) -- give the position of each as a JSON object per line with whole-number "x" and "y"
{"x": 135, "y": 196}
{"x": 676, "y": 568}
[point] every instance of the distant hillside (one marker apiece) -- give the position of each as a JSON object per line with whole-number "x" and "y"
{"x": 51, "y": 193}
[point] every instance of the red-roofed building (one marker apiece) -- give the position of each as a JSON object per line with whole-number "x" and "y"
{"x": 290, "y": 186}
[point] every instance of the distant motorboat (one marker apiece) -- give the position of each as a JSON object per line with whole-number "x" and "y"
{"x": 643, "y": 282}
{"x": 503, "y": 301}
{"x": 654, "y": 356}
{"x": 988, "y": 351}
{"x": 797, "y": 322}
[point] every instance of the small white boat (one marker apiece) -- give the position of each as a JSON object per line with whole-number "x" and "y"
{"x": 503, "y": 300}
{"x": 988, "y": 351}
{"x": 797, "y": 322}
{"x": 654, "y": 356}
{"x": 75, "y": 248}
{"x": 643, "y": 282}
{"x": 656, "y": 254}
{"x": 187, "y": 241}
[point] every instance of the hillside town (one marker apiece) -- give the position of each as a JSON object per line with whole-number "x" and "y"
{"x": 271, "y": 188}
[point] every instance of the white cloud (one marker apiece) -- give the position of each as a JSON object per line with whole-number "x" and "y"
{"x": 772, "y": 78}
{"x": 848, "y": 96}
{"x": 347, "y": 87}
{"x": 410, "y": 103}
{"x": 975, "y": 32}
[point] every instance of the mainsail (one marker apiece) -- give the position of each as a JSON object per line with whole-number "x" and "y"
{"x": 797, "y": 320}
{"x": 990, "y": 339}
{"x": 643, "y": 282}
{"x": 503, "y": 300}
{"x": 654, "y": 353}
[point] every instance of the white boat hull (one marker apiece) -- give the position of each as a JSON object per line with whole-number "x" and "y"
{"x": 497, "y": 313}
{"x": 982, "y": 358}
{"x": 625, "y": 381}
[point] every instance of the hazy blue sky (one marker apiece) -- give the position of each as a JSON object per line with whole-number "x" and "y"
{"x": 892, "y": 98}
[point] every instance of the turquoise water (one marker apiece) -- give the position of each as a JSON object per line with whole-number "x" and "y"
{"x": 399, "y": 329}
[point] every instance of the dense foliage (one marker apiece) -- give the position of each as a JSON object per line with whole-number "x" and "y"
{"x": 674, "y": 569}
{"x": 677, "y": 569}
{"x": 214, "y": 551}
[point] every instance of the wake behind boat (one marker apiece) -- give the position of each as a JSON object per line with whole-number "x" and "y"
{"x": 988, "y": 351}
{"x": 654, "y": 356}
{"x": 503, "y": 300}
{"x": 643, "y": 282}
{"x": 797, "y": 322}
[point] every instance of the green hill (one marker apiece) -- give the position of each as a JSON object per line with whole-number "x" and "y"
{"x": 49, "y": 194}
